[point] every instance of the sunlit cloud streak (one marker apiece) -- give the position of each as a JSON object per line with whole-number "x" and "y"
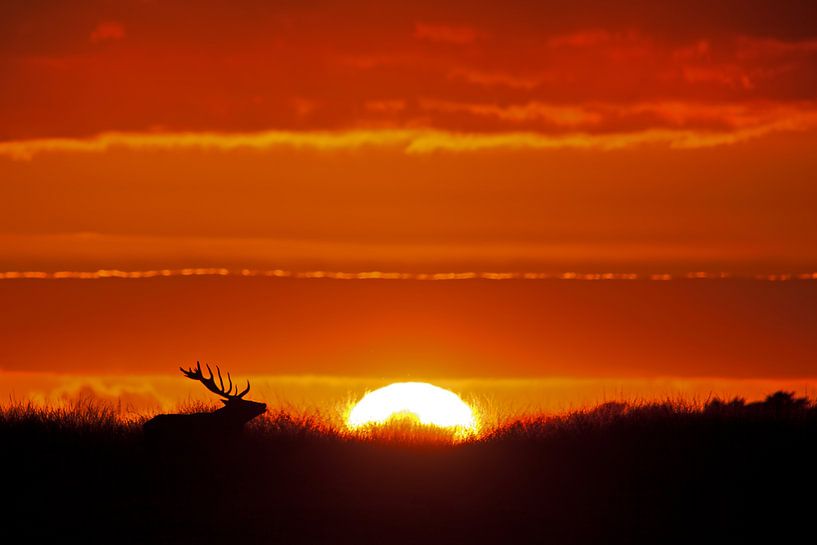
{"x": 418, "y": 141}
{"x": 606, "y": 118}
{"x": 392, "y": 275}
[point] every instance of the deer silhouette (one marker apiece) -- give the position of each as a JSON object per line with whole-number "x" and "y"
{"x": 226, "y": 421}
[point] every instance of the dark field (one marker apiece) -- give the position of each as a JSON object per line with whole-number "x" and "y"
{"x": 656, "y": 473}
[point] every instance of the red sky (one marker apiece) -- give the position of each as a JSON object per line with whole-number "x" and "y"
{"x": 630, "y": 137}
{"x": 678, "y": 135}
{"x": 405, "y": 328}
{"x": 733, "y": 69}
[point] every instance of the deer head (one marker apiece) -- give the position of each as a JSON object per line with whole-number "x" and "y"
{"x": 234, "y": 402}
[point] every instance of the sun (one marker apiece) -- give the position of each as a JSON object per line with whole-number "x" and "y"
{"x": 430, "y": 405}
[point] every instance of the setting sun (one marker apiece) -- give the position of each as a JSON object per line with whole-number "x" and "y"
{"x": 429, "y": 404}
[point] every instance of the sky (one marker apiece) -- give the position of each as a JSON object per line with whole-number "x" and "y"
{"x": 277, "y": 139}
{"x": 465, "y": 136}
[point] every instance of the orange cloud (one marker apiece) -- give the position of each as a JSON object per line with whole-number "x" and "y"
{"x": 584, "y": 38}
{"x": 559, "y": 115}
{"x": 395, "y": 275}
{"x": 385, "y": 106}
{"x": 730, "y": 76}
{"x": 212, "y": 84}
{"x": 616, "y": 120}
{"x": 753, "y": 47}
{"x": 737, "y": 124}
{"x": 107, "y": 31}
{"x": 458, "y": 35}
{"x": 495, "y": 79}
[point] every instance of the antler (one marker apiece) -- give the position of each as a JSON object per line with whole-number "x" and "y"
{"x": 210, "y": 382}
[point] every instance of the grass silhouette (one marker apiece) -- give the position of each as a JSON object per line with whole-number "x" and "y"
{"x": 725, "y": 471}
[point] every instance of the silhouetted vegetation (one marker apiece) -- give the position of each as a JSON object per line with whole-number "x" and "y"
{"x": 658, "y": 473}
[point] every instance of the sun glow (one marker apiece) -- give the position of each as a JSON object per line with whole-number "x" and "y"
{"x": 430, "y": 405}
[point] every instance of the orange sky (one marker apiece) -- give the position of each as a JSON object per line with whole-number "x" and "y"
{"x": 344, "y": 135}
{"x": 412, "y": 328}
{"x": 627, "y": 137}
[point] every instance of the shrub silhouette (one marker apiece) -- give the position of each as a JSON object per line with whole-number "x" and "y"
{"x": 779, "y": 402}
{"x": 783, "y": 402}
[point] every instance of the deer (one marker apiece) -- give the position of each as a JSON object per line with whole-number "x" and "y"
{"x": 222, "y": 423}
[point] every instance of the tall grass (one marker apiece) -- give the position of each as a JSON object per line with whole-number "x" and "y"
{"x": 82, "y": 416}
{"x": 89, "y": 416}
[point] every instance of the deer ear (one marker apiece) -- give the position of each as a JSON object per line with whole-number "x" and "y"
{"x": 223, "y": 401}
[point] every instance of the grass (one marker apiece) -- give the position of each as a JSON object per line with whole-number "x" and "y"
{"x": 723, "y": 471}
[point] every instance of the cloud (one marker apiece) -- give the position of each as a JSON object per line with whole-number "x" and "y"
{"x": 558, "y": 115}
{"x": 728, "y": 76}
{"x": 225, "y": 87}
{"x": 120, "y": 257}
{"x": 628, "y": 120}
{"x": 752, "y": 47}
{"x": 583, "y": 38}
{"x": 674, "y": 125}
{"x": 107, "y": 31}
{"x": 457, "y": 35}
{"x": 495, "y": 79}
{"x": 385, "y": 106}
{"x": 397, "y": 275}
